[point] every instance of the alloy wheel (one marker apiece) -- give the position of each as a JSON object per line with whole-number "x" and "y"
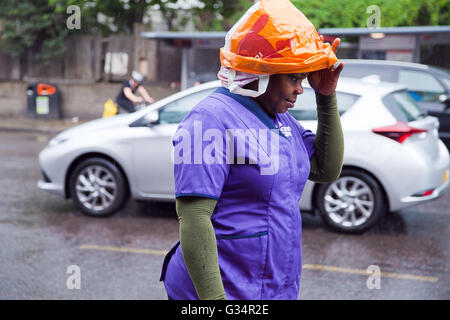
{"x": 96, "y": 187}
{"x": 349, "y": 202}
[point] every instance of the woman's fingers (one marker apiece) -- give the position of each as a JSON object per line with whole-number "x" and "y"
{"x": 339, "y": 69}
{"x": 335, "y": 44}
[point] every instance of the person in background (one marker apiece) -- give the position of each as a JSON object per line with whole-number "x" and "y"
{"x": 127, "y": 97}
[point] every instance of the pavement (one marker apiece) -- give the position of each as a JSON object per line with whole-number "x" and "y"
{"x": 48, "y": 126}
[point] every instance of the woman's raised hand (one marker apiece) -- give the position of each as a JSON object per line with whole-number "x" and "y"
{"x": 324, "y": 81}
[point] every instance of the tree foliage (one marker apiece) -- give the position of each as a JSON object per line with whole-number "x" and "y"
{"x": 213, "y": 15}
{"x": 30, "y": 24}
{"x": 40, "y": 25}
{"x": 393, "y": 13}
{"x": 121, "y": 15}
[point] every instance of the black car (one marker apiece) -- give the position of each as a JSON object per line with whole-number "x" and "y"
{"x": 429, "y": 86}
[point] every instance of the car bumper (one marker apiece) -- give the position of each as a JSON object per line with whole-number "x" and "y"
{"x": 51, "y": 188}
{"x": 437, "y": 192}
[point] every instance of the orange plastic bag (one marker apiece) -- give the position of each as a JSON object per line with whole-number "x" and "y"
{"x": 275, "y": 37}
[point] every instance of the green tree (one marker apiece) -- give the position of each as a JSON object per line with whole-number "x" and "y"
{"x": 122, "y": 14}
{"x": 213, "y": 15}
{"x": 393, "y": 13}
{"x": 175, "y": 17}
{"x": 39, "y": 25}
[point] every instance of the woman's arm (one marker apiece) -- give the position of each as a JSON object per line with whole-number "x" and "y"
{"x": 199, "y": 246}
{"x": 326, "y": 163}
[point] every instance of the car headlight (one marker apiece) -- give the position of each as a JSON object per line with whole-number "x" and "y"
{"x": 57, "y": 140}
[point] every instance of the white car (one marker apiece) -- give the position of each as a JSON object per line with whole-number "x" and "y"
{"x": 393, "y": 157}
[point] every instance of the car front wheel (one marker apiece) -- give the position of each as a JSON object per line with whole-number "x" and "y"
{"x": 353, "y": 203}
{"x": 98, "y": 187}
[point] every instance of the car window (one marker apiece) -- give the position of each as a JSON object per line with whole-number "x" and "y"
{"x": 361, "y": 71}
{"x": 446, "y": 82}
{"x": 421, "y": 85}
{"x": 175, "y": 111}
{"x": 403, "y": 107}
{"x": 306, "y": 107}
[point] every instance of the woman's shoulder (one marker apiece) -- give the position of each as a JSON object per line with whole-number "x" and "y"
{"x": 213, "y": 105}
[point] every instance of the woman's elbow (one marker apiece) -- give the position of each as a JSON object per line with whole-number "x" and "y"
{"x": 325, "y": 178}
{"x": 327, "y": 175}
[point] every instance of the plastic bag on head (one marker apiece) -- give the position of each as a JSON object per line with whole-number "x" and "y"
{"x": 274, "y": 37}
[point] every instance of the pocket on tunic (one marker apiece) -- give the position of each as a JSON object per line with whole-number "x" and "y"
{"x": 242, "y": 260}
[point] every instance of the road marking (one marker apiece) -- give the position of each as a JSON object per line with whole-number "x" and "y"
{"x": 305, "y": 266}
{"x": 364, "y": 272}
{"x": 122, "y": 249}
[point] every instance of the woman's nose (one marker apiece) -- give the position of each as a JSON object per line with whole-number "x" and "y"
{"x": 298, "y": 89}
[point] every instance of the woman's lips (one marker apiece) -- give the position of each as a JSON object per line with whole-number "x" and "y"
{"x": 290, "y": 103}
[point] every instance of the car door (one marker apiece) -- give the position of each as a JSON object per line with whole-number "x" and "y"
{"x": 152, "y": 148}
{"x": 305, "y": 112}
{"x": 426, "y": 89}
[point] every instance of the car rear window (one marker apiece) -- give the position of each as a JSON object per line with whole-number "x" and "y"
{"x": 361, "y": 71}
{"x": 306, "y": 107}
{"x": 403, "y": 107}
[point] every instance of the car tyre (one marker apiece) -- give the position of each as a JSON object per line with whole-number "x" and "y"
{"x": 98, "y": 187}
{"x": 353, "y": 203}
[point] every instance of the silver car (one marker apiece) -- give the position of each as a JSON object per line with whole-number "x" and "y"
{"x": 393, "y": 156}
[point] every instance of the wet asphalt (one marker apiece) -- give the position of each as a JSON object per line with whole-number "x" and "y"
{"x": 120, "y": 257}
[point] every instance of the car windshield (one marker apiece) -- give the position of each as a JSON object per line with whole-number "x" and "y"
{"x": 306, "y": 108}
{"x": 403, "y": 107}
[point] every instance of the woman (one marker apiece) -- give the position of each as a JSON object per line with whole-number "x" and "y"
{"x": 238, "y": 185}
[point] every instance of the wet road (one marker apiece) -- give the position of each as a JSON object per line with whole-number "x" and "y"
{"x": 120, "y": 257}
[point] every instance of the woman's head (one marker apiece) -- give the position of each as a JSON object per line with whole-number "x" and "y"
{"x": 267, "y": 41}
{"x": 281, "y": 93}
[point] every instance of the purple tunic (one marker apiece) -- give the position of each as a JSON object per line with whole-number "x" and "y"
{"x": 228, "y": 149}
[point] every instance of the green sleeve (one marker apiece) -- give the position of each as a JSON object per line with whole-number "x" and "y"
{"x": 326, "y": 163}
{"x": 199, "y": 246}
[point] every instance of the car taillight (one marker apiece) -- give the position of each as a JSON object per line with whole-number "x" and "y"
{"x": 398, "y": 132}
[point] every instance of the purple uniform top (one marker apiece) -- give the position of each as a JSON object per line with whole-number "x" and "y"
{"x": 256, "y": 167}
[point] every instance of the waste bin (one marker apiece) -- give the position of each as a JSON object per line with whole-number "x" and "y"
{"x": 43, "y": 101}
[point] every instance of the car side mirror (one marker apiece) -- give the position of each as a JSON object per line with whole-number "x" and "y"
{"x": 149, "y": 120}
{"x": 152, "y": 117}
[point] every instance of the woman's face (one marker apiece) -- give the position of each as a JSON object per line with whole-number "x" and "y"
{"x": 282, "y": 92}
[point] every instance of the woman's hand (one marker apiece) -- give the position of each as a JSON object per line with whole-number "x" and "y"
{"x": 324, "y": 81}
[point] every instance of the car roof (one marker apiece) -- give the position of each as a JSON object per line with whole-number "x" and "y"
{"x": 386, "y": 63}
{"x": 346, "y": 85}
{"x": 367, "y": 85}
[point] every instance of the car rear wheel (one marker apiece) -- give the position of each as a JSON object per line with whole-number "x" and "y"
{"x": 352, "y": 204}
{"x": 98, "y": 187}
